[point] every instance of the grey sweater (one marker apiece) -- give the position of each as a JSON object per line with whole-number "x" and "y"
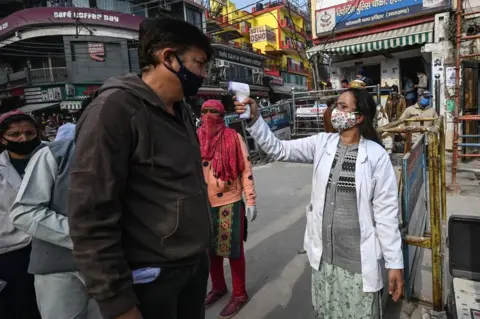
{"x": 341, "y": 228}
{"x": 41, "y": 206}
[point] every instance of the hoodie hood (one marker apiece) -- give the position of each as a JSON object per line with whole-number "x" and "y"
{"x": 66, "y": 132}
{"x": 133, "y": 83}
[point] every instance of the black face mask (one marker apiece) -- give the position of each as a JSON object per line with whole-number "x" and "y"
{"x": 191, "y": 82}
{"x": 22, "y": 148}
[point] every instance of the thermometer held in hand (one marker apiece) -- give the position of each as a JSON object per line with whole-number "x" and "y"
{"x": 241, "y": 92}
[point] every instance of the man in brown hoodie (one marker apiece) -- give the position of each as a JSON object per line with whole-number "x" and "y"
{"x": 138, "y": 208}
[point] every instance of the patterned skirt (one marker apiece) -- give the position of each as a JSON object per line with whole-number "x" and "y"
{"x": 229, "y": 230}
{"x": 338, "y": 294}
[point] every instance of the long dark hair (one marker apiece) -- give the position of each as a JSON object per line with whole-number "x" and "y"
{"x": 367, "y": 107}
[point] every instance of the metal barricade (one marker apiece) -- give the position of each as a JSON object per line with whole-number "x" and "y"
{"x": 277, "y": 117}
{"x": 429, "y": 148}
{"x": 308, "y": 107}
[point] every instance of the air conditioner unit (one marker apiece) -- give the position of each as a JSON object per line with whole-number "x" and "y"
{"x": 222, "y": 64}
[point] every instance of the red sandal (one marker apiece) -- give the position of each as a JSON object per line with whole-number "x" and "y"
{"x": 214, "y": 296}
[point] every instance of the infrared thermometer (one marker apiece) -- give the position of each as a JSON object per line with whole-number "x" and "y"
{"x": 241, "y": 92}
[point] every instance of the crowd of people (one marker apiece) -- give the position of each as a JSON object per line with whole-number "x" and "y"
{"x": 126, "y": 214}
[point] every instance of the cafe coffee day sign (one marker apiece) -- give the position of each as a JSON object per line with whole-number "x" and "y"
{"x": 360, "y": 13}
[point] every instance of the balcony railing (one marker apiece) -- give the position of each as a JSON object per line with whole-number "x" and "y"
{"x": 36, "y": 76}
{"x": 46, "y": 75}
{"x": 292, "y": 45}
{"x": 297, "y": 68}
{"x": 14, "y": 77}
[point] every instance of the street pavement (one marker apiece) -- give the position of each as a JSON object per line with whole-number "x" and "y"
{"x": 278, "y": 278}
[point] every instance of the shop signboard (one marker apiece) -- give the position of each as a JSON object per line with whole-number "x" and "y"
{"x": 96, "y": 51}
{"x": 354, "y": 14}
{"x": 43, "y": 94}
{"x": 80, "y": 92}
{"x": 276, "y": 117}
{"x": 31, "y": 17}
{"x": 276, "y": 80}
{"x": 263, "y": 33}
{"x": 234, "y": 55}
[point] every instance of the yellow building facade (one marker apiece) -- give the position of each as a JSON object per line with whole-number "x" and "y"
{"x": 277, "y": 30}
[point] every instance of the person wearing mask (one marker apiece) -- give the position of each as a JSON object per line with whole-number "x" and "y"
{"x": 40, "y": 211}
{"x": 19, "y": 136}
{"x": 352, "y": 219}
{"x": 422, "y": 83}
{"x": 138, "y": 210}
{"x": 344, "y": 84}
{"x": 422, "y": 109}
{"x": 327, "y": 117}
{"x": 396, "y": 104}
{"x": 228, "y": 173}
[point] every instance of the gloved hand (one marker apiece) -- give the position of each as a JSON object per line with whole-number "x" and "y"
{"x": 251, "y": 213}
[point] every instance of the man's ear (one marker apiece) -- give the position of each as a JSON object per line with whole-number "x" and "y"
{"x": 166, "y": 56}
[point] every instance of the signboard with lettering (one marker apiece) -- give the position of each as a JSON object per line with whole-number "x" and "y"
{"x": 80, "y": 92}
{"x": 29, "y": 18}
{"x": 354, "y": 13}
{"x": 96, "y": 51}
{"x": 263, "y": 33}
{"x": 43, "y": 94}
{"x": 223, "y": 52}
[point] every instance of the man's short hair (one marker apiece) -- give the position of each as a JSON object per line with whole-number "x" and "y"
{"x": 160, "y": 33}
{"x": 344, "y": 81}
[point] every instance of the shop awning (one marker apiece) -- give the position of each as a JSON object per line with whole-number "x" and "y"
{"x": 417, "y": 34}
{"x": 35, "y": 107}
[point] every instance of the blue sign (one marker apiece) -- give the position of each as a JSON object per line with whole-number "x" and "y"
{"x": 357, "y": 13}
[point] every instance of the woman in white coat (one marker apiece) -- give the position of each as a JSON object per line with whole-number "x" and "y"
{"x": 352, "y": 219}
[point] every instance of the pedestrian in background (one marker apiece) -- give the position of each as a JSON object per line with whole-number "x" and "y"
{"x": 228, "y": 173}
{"x": 19, "y": 136}
{"x": 138, "y": 209}
{"x": 409, "y": 91}
{"x": 327, "y": 117}
{"x": 396, "y": 104}
{"x": 344, "y": 84}
{"x": 422, "y": 109}
{"x": 40, "y": 210}
{"x": 352, "y": 219}
{"x": 362, "y": 76}
{"x": 422, "y": 83}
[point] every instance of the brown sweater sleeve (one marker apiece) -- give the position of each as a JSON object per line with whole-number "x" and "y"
{"x": 327, "y": 121}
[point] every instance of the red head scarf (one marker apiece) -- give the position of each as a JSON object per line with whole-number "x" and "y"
{"x": 220, "y": 144}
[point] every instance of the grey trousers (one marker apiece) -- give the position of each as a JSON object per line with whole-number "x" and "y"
{"x": 64, "y": 296}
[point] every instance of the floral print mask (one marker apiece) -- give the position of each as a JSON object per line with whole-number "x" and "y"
{"x": 342, "y": 121}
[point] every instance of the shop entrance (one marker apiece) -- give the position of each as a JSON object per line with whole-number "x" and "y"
{"x": 373, "y": 72}
{"x": 409, "y": 68}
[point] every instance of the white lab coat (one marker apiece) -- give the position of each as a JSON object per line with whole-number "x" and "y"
{"x": 377, "y": 197}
